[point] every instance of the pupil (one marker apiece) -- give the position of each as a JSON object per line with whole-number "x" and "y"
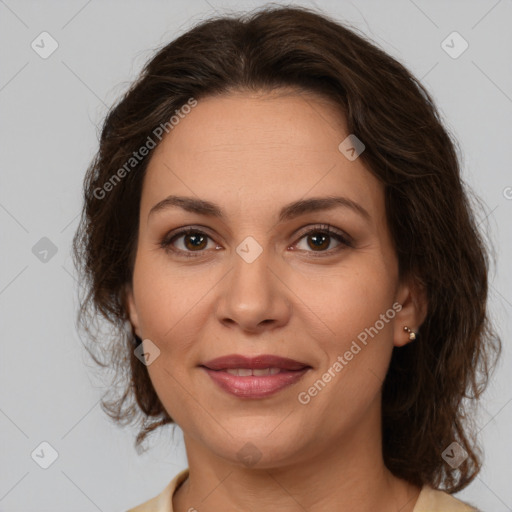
{"x": 317, "y": 238}
{"x": 196, "y": 240}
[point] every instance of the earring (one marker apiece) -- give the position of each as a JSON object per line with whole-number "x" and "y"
{"x": 412, "y": 334}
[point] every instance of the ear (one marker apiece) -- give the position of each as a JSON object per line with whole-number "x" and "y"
{"x": 412, "y": 296}
{"x": 132, "y": 310}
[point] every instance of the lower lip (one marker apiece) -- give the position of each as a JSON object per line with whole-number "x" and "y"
{"x": 252, "y": 386}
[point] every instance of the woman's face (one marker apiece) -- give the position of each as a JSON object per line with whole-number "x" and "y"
{"x": 265, "y": 279}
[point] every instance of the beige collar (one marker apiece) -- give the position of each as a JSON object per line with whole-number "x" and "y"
{"x": 429, "y": 500}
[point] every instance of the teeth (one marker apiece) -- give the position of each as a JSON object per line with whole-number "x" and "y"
{"x": 247, "y": 372}
{"x": 261, "y": 372}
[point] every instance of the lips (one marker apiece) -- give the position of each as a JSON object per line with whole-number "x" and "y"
{"x": 235, "y": 361}
{"x": 254, "y": 377}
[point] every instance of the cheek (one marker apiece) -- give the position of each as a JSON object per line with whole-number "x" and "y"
{"x": 367, "y": 327}
{"x": 355, "y": 314}
{"x": 173, "y": 309}
{"x": 169, "y": 309}
{"x": 347, "y": 299}
{"x": 163, "y": 298}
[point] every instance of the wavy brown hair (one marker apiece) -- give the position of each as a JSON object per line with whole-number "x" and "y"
{"x": 432, "y": 383}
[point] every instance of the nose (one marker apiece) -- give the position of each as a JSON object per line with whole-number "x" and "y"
{"x": 254, "y": 295}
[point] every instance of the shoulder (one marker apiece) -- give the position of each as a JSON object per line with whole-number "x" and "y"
{"x": 432, "y": 500}
{"x": 162, "y": 502}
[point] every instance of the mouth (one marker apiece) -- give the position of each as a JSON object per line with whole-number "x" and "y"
{"x": 254, "y": 377}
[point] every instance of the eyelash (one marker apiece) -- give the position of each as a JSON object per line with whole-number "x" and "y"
{"x": 326, "y": 229}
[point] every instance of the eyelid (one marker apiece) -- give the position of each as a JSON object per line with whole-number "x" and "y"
{"x": 168, "y": 239}
{"x": 325, "y": 228}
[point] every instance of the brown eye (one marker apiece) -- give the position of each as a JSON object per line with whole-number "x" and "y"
{"x": 186, "y": 241}
{"x": 319, "y": 240}
{"x": 194, "y": 241}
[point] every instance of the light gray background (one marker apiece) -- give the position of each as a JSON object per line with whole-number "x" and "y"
{"x": 50, "y": 109}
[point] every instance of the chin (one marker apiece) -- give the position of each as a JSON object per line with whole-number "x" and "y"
{"x": 258, "y": 447}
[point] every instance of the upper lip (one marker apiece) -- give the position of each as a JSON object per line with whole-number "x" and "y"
{"x": 257, "y": 362}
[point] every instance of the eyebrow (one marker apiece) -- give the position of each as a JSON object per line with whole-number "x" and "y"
{"x": 288, "y": 212}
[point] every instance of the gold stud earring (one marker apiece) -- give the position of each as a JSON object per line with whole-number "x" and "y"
{"x": 412, "y": 334}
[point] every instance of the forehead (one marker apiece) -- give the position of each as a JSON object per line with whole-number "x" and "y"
{"x": 257, "y": 123}
{"x": 263, "y": 149}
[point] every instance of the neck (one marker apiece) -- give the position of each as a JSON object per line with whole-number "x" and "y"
{"x": 346, "y": 475}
